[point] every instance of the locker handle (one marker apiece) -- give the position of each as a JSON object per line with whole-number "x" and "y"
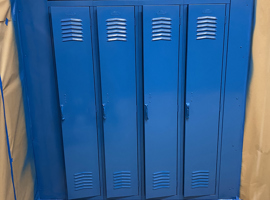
{"x": 62, "y": 112}
{"x": 187, "y": 110}
{"x": 146, "y": 112}
{"x": 103, "y": 111}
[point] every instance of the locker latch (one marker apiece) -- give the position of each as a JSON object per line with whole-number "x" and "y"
{"x": 103, "y": 111}
{"x": 187, "y": 110}
{"x": 62, "y": 112}
{"x": 146, "y": 112}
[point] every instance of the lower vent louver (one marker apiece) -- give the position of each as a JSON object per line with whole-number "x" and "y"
{"x": 121, "y": 179}
{"x": 200, "y": 179}
{"x": 161, "y": 180}
{"x": 83, "y": 180}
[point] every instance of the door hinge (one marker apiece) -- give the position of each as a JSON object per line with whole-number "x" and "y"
{"x": 187, "y": 110}
{"x": 103, "y": 112}
{"x": 62, "y": 112}
{"x": 146, "y": 112}
{"x": 180, "y": 21}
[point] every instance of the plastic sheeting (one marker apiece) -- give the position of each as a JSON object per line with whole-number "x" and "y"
{"x": 23, "y": 168}
{"x": 255, "y": 178}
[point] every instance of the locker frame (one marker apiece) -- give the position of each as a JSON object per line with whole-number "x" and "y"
{"x": 241, "y": 55}
{"x": 183, "y": 4}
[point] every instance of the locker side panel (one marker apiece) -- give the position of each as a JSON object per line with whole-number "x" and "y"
{"x": 161, "y": 43}
{"x": 118, "y": 80}
{"x": 203, "y": 82}
{"x": 237, "y": 82}
{"x": 73, "y": 55}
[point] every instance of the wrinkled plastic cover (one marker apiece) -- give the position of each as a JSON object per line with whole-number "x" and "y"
{"x": 23, "y": 169}
{"x": 255, "y": 180}
{"x": 4, "y": 10}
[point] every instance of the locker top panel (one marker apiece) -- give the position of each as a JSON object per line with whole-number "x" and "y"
{"x": 131, "y": 2}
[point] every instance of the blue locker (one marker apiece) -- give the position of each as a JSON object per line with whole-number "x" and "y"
{"x": 161, "y": 44}
{"x": 192, "y": 78}
{"x": 73, "y": 56}
{"x": 118, "y": 81}
{"x": 203, "y": 89}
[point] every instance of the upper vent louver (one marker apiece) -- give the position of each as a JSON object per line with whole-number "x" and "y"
{"x": 206, "y": 27}
{"x": 121, "y": 179}
{"x": 161, "y": 180}
{"x": 116, "y": 29}
{"x": 161, "y": 28}
{"x": 72, "y": 29}
{"x": 200, "y": 179}
{"x": 83, "y": 180}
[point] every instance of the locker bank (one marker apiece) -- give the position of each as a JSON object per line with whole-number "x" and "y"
{"x": 137, "y": 99}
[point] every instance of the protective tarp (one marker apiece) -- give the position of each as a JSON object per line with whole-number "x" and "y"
{"x": 21, "y": 154}
{"x": 255, "y": 179}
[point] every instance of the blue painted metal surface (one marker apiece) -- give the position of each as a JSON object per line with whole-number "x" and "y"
{"x": 122, "y": 62}
{"x": 93, "y": 16}
{"x": 181, "y": 99}
{"x": 203, "y": 82}
{"x": 73, "y": 53}
{"x": 140, "y": 101}
{"x": 39, "y": 84}
{"x": 239, "y": 47}
{"x": 161, "y": 44}
{"x": 118, "y": 82}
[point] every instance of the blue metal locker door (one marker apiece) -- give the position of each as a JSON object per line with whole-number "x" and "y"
{"x": 118, "y": 80}
{"x": 203, "y": 83}
{"x": 73, "y": 55}
{"x": 161, "y": 44}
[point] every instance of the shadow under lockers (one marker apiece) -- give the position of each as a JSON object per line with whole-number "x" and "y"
{"x": 165, "y": 61}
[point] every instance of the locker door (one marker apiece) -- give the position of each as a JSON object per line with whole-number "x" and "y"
{"x": 118, "y": 80}
{"x": 73, "y": 55}
{"x": 203, "y": 82}
{"x": 161, "y": 43}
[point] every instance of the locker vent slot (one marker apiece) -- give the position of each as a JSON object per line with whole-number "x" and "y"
{"x": 83, "y": 180}
{"x": 121, "y": 179}
{"x": 116, "y": 29}
{"x": 206, "y": 27}
{"x": 161, "y": 180}
{"x": 72, "y": 30}
{"x": 200, "y": 179}
{"x": 161, "y": 28}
